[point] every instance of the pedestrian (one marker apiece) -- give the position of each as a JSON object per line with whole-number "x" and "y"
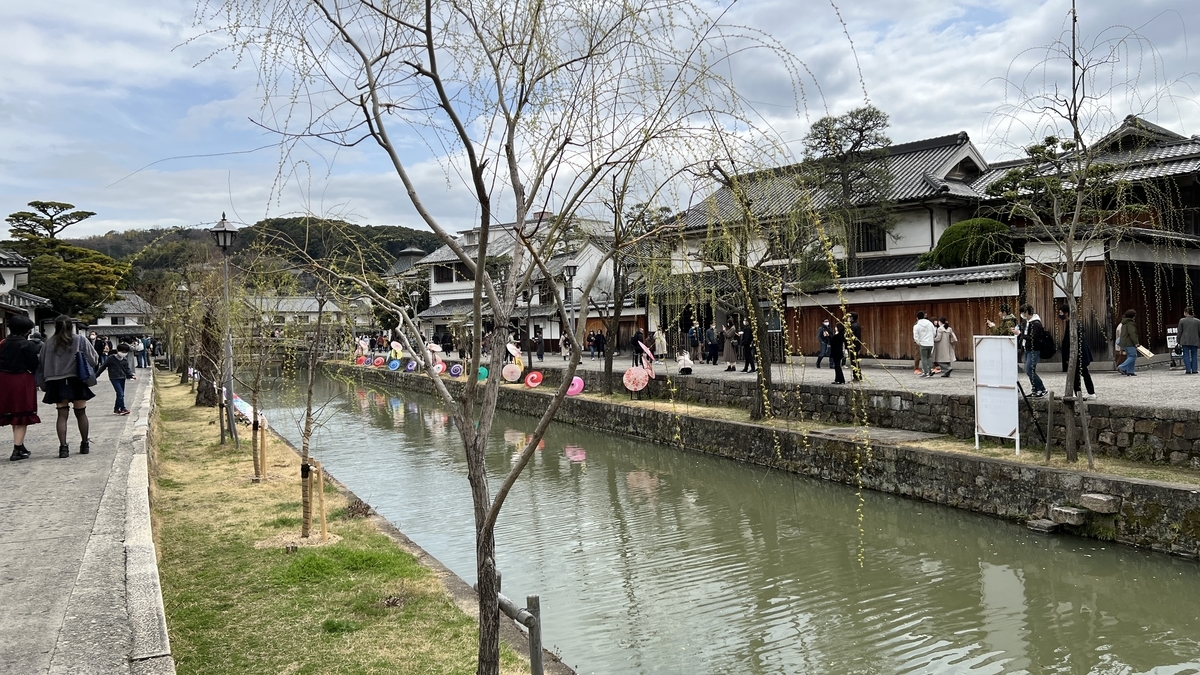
{"x": 540, "y": 344}
{"x": 59, "y": 373}
{"x": 139, "y": 352}
{"x": 660, "y": 344}
{"x": 685, "y": 363}
{"x": 1189, "y": 340}
{"x": 694, "y": 342}
{"x": 854, "y": 346}
{"x": 823, "y": 333}
{"x": 18, "y": 389}
{"x": 591, "y": 345}
{"x": 924, "y": 334}
{"x": 746, "y": 341}
{"x": 730, "y": 334}
{"x": 1007, "y": 325}
{"x": 712, "y": 344}
{"x": 1127, "y": 339}
{"x": 118, "y": 372}
{"x": 837, "y": 351}
{"x": 637, "y": 343}
{"x": 1073, "y": 340}
{"x": 601, "y": 343}
{"x": 943, "y": 346}
{"x": 1033, "y": 335}
{"x": 564, "y": 345}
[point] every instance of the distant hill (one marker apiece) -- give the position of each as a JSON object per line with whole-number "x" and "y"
{"x": 378, "y": 246}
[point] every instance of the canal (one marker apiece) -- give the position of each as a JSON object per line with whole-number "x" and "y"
{"x": 651, "y": 560}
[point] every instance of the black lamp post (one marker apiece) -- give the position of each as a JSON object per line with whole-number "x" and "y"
{"x": 569, "y": 271}
{"x": 224, "y": 234}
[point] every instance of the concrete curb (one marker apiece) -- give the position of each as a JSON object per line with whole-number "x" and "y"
{"x": 150, "y": 652}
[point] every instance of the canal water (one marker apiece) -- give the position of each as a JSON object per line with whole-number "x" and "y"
{"x": 651, "y": 560}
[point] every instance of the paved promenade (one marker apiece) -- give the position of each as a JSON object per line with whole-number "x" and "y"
{"x": 1156, "y": 384}
{"x": 79, "y": 586}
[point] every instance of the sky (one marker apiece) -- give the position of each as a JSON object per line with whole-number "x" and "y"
{"x": 129, "y": 109}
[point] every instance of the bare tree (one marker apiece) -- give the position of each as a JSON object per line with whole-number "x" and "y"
{"x": 536, "y": 104}
{"x": 1073, "y": 191}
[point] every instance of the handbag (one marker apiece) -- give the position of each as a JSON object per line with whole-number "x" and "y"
{"x": 83, "y": 369}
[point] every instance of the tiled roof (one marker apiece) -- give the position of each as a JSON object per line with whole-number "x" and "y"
{"x": 500, "y": 242}
{"x": 12, "y": 259}
{"x": 962, "y": 275}
{"x": 26, "y": 300}
{"x": 128, "y": 302}
{"x": 448, "y": 308}
{"x": 892, "y": 264}
{"x": 775, "y": 193}
{"x": 290, "y": 304}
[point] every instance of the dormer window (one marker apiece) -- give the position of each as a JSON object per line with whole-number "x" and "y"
{"x": 964, "y": 172}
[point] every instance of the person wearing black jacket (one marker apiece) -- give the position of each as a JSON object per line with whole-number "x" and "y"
{"x": 854, "y": 346}
{"x": 117, "y": 365}
{"x": 837, "y": 351}
{"x": 1070, "y": 329}
{"x": 18, "y": 392}
{"x": 1031, "y": 340}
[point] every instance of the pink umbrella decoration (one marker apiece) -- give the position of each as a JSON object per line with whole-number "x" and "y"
{"x": 439, "y": 367}
{"x": 574, "y": 453}
{"x": 511, "y": 372}
{"x": 379, "y": 361}
{"x": 576, "y": 387}
{"x": 649, "y": 352}
{"x": 513, "y": 349}
{"x": 635, "y": 379}
{"x": 533, "y": 379}
{"x": 360, "y": 360}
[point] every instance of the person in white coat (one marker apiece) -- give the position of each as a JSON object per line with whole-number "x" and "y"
{"x": 924, "y": 334}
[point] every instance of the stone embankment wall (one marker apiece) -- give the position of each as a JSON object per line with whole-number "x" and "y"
{"x": 1153, "y": 436}
{"x": 1153, "y": 515}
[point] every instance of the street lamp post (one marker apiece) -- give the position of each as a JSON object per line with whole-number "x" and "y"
{"x": 569, "y": 271}
{"x": 224, "y": 234}
{"x": 415, "y": 296}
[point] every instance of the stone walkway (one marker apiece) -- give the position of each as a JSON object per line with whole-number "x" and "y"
{"x": 79, "y": 586}
{"x": 1156, "y": 384}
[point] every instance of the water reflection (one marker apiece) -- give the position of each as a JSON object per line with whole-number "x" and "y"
{"x": 658, "y": 561}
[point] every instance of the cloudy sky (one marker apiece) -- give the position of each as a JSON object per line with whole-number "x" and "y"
{"x": 118, "y": 108}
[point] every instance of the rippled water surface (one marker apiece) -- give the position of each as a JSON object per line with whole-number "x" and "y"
{"x": 650, "y": 560}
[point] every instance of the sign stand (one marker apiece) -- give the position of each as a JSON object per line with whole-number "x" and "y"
{"x": 996, "y": 403}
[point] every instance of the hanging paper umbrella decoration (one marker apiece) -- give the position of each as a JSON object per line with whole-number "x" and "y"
{"x": 576, "y": 386}
{"x": 635, "y": 379}
{"x": 411, "y": 366}
{"x": 456, "y": 370}
{"x": 394, "y": 364}
{"x": 397, "y": 346}
{"x": 512, "y": 349}
{"x": 533, "y": 379}
{"x": 360, "y": 360}
{"x": 511, "y": 372}
{"x": 518, "y": 362}
{"x": 439, "y": 367}
{"x": 649, "y": 352}
{"x": 649, "y": 368}
{"x": 378, "y": 361}
{"x": 483, "y": 373}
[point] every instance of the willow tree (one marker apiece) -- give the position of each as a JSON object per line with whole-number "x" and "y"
{"x": 536, "y": 107}
{"x": 1074, "y": 193}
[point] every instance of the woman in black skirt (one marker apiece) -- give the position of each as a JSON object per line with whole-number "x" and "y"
{"x": 59, "y": 377}
{"x": 18, "y": 393}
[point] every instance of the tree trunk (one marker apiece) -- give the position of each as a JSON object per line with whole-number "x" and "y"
{"x": 614, "y": 328}
{"x": 760, "y": 407}
{"x": 207, "y": 364}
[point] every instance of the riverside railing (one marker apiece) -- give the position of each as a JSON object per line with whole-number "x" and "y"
{"x": 529, "y": 616}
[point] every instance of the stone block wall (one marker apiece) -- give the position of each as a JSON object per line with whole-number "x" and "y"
{"x": 1152, "y": 515}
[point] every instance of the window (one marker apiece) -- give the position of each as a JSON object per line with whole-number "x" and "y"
{"x": 301, "y": 318}
{"x": 462, "y": 273}
{"x": 871, "y": 237}
{"x": 545, "y": 295}
{"x": 443, "y": 274}
{"x": 278, "y": 319}
{"x": 118, "y": 321}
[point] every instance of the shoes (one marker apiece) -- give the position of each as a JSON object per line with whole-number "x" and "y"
{"x": 1038, "y": 394}
{"x": 1089, "y": 397}
{"x": 947, "y": 373}
{"x": 19, "y": 453}
{"x": 64, "y": 451}
{"x": 116, "y": 412}
{"x": 124, "y": 411}
{"x": 84, "y": 447}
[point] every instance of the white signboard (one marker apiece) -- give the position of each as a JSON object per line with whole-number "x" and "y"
{"x": 996, "y": 412}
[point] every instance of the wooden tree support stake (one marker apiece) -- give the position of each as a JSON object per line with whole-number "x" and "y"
{"x": 1049, "y": 421}
{"x": 321, "y": 500}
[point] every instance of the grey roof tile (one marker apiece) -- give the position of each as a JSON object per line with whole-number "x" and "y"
{"x": 960, "y": 275}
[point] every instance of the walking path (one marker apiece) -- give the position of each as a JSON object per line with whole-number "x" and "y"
{"x": 1157, "y": 385}
{"x": 79, "y": 588}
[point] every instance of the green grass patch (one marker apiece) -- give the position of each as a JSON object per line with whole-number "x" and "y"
{"x": 360, "y": 605}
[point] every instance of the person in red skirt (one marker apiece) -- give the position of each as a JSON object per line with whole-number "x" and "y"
{"x": 18, "y": 393}
{"x": 57, "y": 372}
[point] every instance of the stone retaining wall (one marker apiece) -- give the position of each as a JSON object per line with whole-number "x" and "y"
{"x": 1159, "y": 516}
{"x": 1153, "y": 436}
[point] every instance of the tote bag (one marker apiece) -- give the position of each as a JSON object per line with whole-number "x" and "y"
{"x": 83, "y": 369}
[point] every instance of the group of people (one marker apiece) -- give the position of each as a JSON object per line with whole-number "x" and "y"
{"x": 936, "y": 340}
{"x": 64, "y": 367}
{"x": 142, "y": 348}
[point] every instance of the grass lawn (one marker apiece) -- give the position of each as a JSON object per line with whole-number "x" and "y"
{"x": 360, "y": 605}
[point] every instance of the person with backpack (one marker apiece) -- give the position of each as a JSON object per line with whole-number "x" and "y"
{"x": 1033, "y": 340}
{"x": 67, "y": 368}
{"x": 118, "y": 371}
